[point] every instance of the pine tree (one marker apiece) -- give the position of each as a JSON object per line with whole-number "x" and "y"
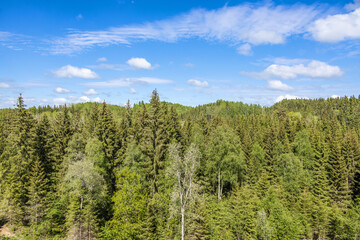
{"x": 109, "y": 137}
{"x": 126, "y": 130}
{"x": 243, "y": 206}
{"x": 174, "y": 131}
{"x": 37, "y": 195}
{"x": 350, "y": 150}
{"x": 321, "y": 182}
{"x": 187, "y": 131}
{"x": 153, "y": 144}
{"x": 19, "y": 153}
{"x": 93, "y": 120}
{"x": 338, "y": 171}
{"x": 44, "y": 150}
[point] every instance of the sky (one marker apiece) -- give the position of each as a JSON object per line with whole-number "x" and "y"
{"x": 193, "y": 52}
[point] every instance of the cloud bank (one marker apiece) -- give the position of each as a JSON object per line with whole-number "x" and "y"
{"x": 336, "y": 28}
{"x": 314, "y": 69}
{"x": 247, "y": 23}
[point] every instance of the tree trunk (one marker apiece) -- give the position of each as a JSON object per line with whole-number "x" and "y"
{"x": 81, "y": 205}
{"x": 219, "y": 186}
{"x": 182, "y": 223}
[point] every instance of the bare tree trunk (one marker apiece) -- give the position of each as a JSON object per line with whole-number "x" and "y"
{"x": 81, "y": 205}
{"x": 219, "y": 186}
{"x": 182, "y": 223}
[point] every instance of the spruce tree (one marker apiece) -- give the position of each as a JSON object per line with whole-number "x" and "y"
{"x": 153, "y": 143}
{"x": 37, "y": 195}
{"x": 19, "y": 154}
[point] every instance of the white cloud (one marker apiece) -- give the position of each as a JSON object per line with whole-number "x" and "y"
{"x": 97, "y": 99}
{"x": 60, "y": 101}
{"x": 245, "y": 49}
{"x": 335, "y": 96}
{"x": 4, "y": 85}
{"x": 288, "y": 96}
{"x": 69, "y": 71}
{"x": 139, "y": 63}
{"x": 90, "y": 92}
{"x": 102, "y": 59}
{"x": 278, "y": 85}
{"x": 336, "y": 28}
{"x": 198, "y": 83}
{"x": 126, "y": 82}
{"x": 61, "y": 90}
{"x": 84, "y": 99}
{"x": 132, "y": 91}
{"x": 315, "y": 69}
{"x": 352, "y": 6}
{"x": 79, "y": 16}
{"x": 246, "y": 23}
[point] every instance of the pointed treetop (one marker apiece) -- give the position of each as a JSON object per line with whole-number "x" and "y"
{"x": 20, "y": 102}
{"x": 154, "y": 97}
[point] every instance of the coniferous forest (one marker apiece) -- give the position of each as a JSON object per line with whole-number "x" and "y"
{"x": 158, "y": 170}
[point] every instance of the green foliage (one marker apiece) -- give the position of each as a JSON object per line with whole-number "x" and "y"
{"x": 225, "y": 165}
{"x": 99, "y": 171}
{"x": 129, "y": 207}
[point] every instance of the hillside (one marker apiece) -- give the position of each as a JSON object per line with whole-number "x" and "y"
{"x": 157, "y": 170}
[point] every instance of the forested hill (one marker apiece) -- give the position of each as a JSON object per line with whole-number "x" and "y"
{"x": 224, "y": 170}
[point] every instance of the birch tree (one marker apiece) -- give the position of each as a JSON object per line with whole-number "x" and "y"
{"x": 183, "y": 169}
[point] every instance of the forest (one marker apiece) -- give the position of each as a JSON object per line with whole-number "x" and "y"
{"x": 158, "y": 170}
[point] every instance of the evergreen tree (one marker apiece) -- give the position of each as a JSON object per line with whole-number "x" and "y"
{"x": 37, "y": 195}
{"x": 19, "y": 154}
{"x": 243, "y": 206}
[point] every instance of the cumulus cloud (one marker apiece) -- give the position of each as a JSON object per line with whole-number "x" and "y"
{"x": 84, "y": 99}
{"x": 245, "y": 23}
{"x": 278, "y": 85}
{"x": 61, "y": 90}
{"x": 335, "y": 96}
{"x": 198, "y": 83}
{"x": 69, "y": 71}
{"x": 90, "y": 92}
{"x": 288, "y": 96}
{"x": 4, "y": 85}
{"x": 126, "y": 82}
{"x": 97, "y": 99}
{"x": 336, "y": 28}
{"x": 87, "y": 99}
{"x": 315, "y": 69}
{"x": 132, "y": 91}
{"x": 139, "y": 63}
{"x": 102, "y": 59}
{"x": 245, "y": 49}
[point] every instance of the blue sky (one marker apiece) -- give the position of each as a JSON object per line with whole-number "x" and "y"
{"x": 192, "y": 52}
